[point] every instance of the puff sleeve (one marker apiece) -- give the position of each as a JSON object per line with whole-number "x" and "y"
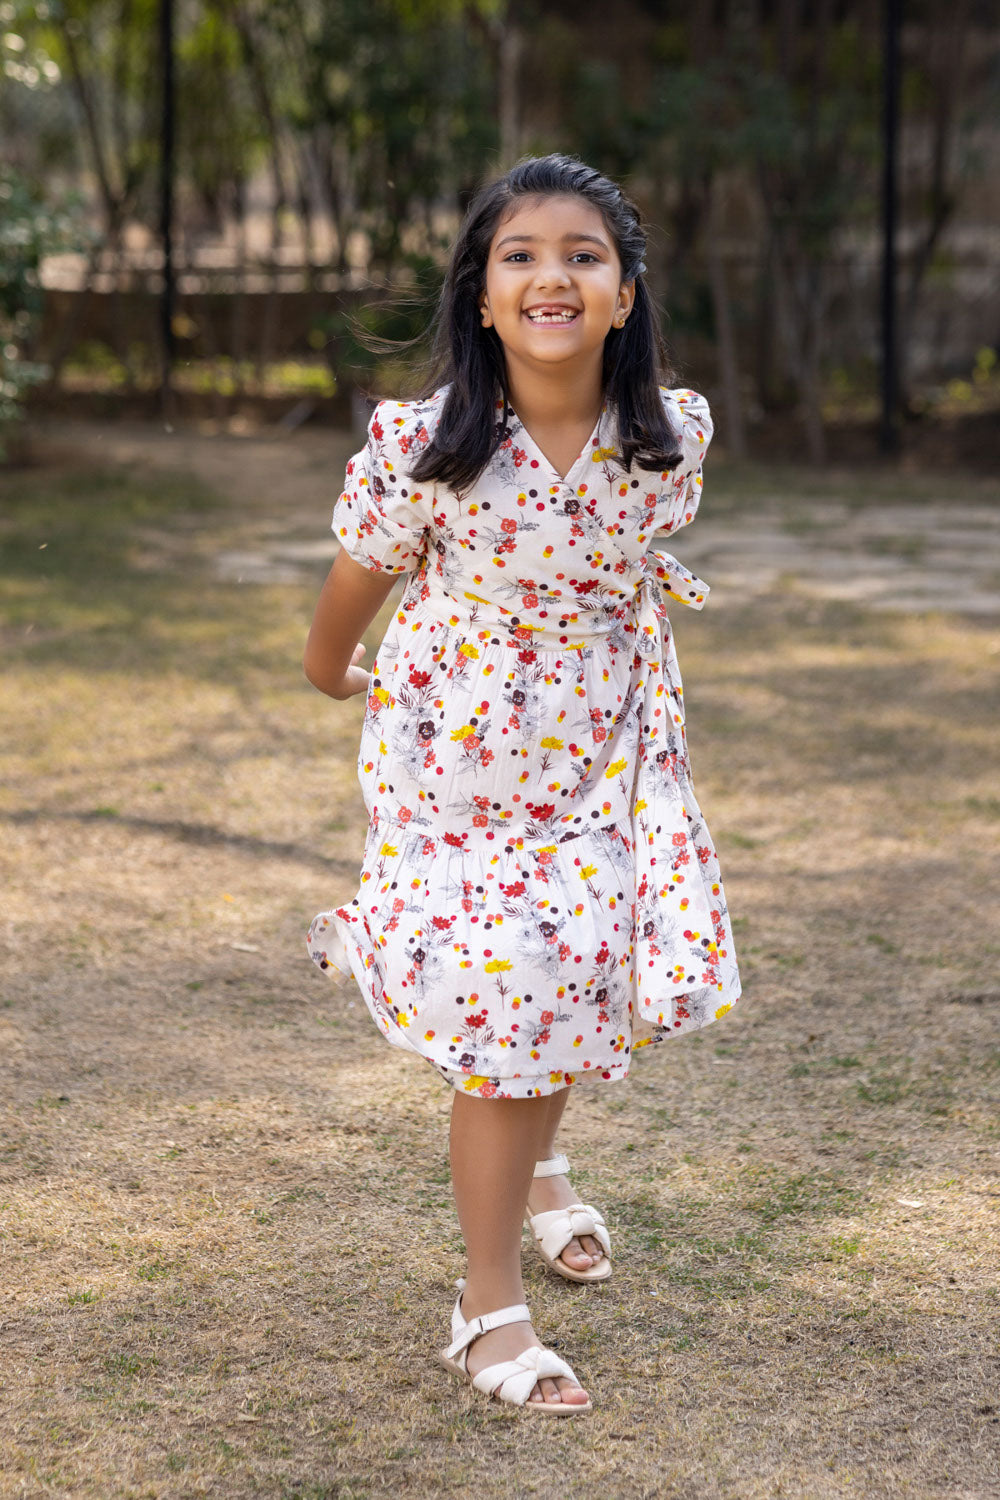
{"x": 690, "y": 417}
{"x": 382, "y": 518}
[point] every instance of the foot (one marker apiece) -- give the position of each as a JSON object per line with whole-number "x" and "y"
{"x": 556, "y": 1192}
{"x": 507, "y": 1343}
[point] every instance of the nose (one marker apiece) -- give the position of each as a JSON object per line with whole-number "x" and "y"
{"x": 550, "y": 271}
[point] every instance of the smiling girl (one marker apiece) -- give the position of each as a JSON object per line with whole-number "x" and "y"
{"x": 539, "y": 893}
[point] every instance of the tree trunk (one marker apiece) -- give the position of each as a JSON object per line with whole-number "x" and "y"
{"x": 729, "y": 375}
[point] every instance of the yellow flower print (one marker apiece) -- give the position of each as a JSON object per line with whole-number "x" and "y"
{"x": 615, "y": 767}
{"x": 722, "y": 1011}
{"x": 471, "y": 1084}
{"x": 464, "y": 732}
{"x": 388, "y": 850}
{"x": 600, "y": 454}
{"x": 498, "y": 966}
{"x": 552, "y": 742}
{"x": 587, "y": 871}
{"x": 472, "y": 652}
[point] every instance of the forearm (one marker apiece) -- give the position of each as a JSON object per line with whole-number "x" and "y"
{"x": 349, "y": 601}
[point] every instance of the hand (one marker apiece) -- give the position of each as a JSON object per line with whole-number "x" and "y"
{"x": 356, "y": 679}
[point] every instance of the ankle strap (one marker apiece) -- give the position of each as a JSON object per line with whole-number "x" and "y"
{"x": 554, "y": 1166}
{"x": 485, "y": 1324}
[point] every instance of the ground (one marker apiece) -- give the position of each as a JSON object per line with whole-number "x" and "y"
{"x": 225, "y": 1217}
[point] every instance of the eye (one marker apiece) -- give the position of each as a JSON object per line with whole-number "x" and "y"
{"x": 517, "y": 255}
{"x": 585, "y": 256}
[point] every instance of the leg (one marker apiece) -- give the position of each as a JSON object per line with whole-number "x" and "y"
{"x": 556, "y": 1192}
{"x": 494, "y": 1147}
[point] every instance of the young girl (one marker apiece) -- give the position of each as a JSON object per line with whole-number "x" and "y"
{"x": 539, "y": 894}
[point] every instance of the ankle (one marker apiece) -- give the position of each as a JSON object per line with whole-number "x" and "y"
{"x": 487, "y": 1294}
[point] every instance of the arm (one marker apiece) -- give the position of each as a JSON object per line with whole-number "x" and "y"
{"x": 349, "y": 600}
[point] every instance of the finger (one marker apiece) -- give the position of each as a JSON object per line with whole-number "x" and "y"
{"x": 359, "y": 652}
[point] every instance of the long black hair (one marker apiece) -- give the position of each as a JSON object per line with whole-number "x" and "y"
{"x": 470, "y": 358}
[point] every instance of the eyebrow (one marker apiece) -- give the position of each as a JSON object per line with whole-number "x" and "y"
{"x": 532, "y": 239}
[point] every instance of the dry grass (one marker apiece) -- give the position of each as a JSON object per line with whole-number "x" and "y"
{"x": 227, "y": 1239}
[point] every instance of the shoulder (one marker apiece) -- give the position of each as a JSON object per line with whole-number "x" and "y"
{"x": 689, "y": 415}
{"x": 686, "y": 408}
{"x": 399, "y": 431}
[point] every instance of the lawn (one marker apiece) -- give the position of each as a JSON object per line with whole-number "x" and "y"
{"x": 225, "y": 1221}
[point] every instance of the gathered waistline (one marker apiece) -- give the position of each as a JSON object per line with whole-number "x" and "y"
{"x": 635, "y": 616}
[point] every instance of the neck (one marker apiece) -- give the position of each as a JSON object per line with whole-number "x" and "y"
{"x": 558, "y": 395}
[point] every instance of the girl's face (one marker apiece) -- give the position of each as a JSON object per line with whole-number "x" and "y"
{"x": 553, "y": 283}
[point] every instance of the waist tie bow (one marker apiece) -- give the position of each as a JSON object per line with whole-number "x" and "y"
{"x": 674, "y": 579}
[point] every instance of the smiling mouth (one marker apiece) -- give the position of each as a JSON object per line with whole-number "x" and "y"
{"x": 555, "y": 317}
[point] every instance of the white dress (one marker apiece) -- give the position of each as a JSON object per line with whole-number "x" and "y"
{"x": 539, "y": 893}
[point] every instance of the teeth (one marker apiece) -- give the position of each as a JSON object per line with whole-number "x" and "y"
{"x": 563, "y": 317}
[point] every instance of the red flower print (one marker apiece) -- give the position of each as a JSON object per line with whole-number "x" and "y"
{"x": 476, "y": 1021}
{"x": 543, "y": 1036}
{"x": 509, "y": 525}
{"x": 440, "y": 923}
{"x": 487, "y": 1090}
{"x": 546, "y": 1018}
{"x": 529, "y": 600}
{"x": 519, "y": 456}
{"x": 527, "y": 657}
{"x": 679, "y": 840}
{"x": 419, "y": 679}
{"x": 398, "y": 904}
{"x": 704, "y": 854}
{"x": 485, "y": 757}
{"x": 377, "y": 430}
{"x": 405, "y": 814}
{"x": 456, "y": 840}
{"x": 517, "y": 889}
{"x": 480, "y": 821}
{"x": 541, "y": 810}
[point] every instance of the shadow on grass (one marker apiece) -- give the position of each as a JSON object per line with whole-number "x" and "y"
{"x": 188, "y": 833}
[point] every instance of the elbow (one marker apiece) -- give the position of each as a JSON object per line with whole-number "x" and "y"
{"x": 313, "y": 670}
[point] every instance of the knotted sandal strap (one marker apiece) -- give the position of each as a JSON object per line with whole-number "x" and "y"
{"x": 553, "y": 1166}
{"x": 514, "y": 1380}
{"x": 554, "y": 1230}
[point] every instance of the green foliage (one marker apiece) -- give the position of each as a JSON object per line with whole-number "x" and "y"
{"x": 30, "y": 229}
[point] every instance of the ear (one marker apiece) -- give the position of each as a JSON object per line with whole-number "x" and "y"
{"x": 484, "y": 308}
{"x": 626, "y": 299}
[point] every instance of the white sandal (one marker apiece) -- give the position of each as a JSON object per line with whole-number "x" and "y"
{"x": 553, "y": 1230}
{"x": 511, "y": 1380}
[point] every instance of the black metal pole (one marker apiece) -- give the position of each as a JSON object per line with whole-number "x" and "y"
{"x": 889, "y": 433}
{"x": 167, "y": 298}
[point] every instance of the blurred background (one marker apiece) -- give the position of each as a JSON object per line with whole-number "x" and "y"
{"x": 202, "y": 202}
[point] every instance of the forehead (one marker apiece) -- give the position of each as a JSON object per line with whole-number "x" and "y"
{"x": 557, "y": 217}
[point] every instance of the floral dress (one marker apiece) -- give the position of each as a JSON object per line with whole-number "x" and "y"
{"x": 539, "y": 893}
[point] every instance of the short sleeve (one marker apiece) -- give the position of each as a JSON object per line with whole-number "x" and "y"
{"x": 691, "y": 419}
{"x": 382, "y": 518}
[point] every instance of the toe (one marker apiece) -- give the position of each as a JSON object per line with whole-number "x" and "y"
{"x": 550, "y": 1390}
{"x": 576, "y": 1256}
{"x": 572, "y": 1394}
